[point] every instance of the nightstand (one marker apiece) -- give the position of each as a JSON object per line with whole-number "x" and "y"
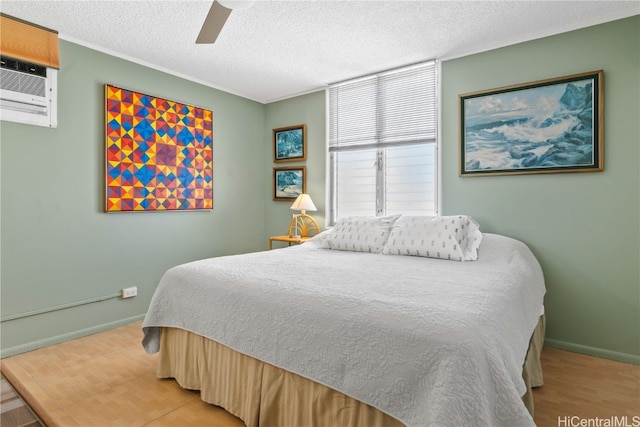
{"x": 298, "y": 240}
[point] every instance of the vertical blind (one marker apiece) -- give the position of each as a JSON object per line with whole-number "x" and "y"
{"x": 382, "y": 143}
{"x": 28, "y": 42}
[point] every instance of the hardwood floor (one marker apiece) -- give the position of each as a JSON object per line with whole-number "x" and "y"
{"x": 580, "y": 387}
{"x": 107, "y": 379}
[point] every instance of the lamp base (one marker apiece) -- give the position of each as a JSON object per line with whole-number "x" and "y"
{"x": 303, "y": 225}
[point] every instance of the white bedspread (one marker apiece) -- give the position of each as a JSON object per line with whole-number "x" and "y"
{"x": 430, "y": 342}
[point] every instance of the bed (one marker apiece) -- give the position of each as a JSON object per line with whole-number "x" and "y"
{"x": 392, "y": 321}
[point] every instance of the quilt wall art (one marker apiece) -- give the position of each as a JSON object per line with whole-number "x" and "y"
{"x": 159, "y": 153}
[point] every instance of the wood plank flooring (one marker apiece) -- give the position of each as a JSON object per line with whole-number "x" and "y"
{"x": 107, "y": 379}
{"x": 579, "y": 387}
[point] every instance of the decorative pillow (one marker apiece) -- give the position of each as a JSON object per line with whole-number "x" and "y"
{"x": 448, "y": 237}
{"x": 321, "y": 238}
{"x": 361, "y": 233}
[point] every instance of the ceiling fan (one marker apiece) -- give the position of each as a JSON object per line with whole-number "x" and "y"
{"x": 216, "y": 18}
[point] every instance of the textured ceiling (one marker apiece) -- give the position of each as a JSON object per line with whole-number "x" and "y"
{"x": 278, "y": 49}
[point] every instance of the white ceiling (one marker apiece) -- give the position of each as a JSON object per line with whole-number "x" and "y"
{"x": 279, "y": 49}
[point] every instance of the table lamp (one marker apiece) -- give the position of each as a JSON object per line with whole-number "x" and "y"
{"x": 302, "y": 224}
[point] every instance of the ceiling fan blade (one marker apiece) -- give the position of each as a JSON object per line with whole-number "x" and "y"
{"x": 213, "y": 23}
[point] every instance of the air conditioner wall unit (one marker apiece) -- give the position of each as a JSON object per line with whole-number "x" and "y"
{"x": 28, "y": 93}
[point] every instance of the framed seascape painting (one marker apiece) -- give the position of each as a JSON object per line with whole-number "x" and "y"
{"x": 290, "y": 144}
{"x": 158, "y": 154}
{"x": 288, "y": 183}
{"x": 547, "y": 126}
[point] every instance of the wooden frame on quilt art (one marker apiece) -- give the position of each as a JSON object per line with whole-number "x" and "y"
{"x": 159, "y": 154}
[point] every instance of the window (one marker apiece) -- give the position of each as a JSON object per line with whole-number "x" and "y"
{"x": 382, "y": 144}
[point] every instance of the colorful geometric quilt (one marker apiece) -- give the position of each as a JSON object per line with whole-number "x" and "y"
{"x": 159, "y": 153}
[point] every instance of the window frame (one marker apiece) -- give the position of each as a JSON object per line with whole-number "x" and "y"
{"x": 330, "y": 164}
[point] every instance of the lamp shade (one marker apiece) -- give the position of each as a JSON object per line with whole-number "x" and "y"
{"x": 303, "y": 203}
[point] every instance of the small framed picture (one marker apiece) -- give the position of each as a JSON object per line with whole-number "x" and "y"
{"x": 548, "y": 126}
{"x": 288, "y": 183}
{"x": 290, "y": 144}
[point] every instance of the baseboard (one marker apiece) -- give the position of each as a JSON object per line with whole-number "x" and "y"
{"x": 593, "y": 351}
{"x": 23, "y": 348}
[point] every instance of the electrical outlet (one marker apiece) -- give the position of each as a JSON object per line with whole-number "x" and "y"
{"x": 130, "y": 292}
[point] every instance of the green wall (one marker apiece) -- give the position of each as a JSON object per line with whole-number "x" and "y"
{"x": 57, "y": 244}
{"x": 583, "y": 227}
{"x": 310, "y": 110}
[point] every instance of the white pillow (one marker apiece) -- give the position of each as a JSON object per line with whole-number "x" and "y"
{"x": 448, "y": 237}
{"x": 361, "y": 233}
{"x": 321, "y": 238}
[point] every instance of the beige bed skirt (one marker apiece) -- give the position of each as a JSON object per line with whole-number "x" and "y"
{"x": 263, "y": 395}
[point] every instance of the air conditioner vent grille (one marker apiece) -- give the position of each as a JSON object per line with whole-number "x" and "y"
{"x": 28, "y": 93}
{"x": 23, "y": 83}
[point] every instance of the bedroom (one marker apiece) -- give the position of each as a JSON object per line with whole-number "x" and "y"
{"x": 584, "y": 228}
